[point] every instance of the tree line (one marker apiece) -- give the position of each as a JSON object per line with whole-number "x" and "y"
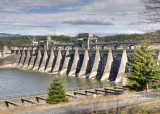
{"x": 12, "y": 41}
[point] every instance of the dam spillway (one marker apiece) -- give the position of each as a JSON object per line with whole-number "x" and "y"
{"x": 95, "y": 64}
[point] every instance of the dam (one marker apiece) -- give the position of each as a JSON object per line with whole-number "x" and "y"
{"x": 93, "y": 63}
{"x": 100, "y": 64}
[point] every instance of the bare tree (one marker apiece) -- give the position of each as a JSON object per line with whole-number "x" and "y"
{"x": 152, "y": 12}
{"x": 151, "y": 15}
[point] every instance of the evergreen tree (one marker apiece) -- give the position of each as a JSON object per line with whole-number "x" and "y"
{"x": 56, "y": 91}
{"x": 144, "y": 73}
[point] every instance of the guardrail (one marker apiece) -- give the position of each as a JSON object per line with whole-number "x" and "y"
{"x": 125, "y": 104}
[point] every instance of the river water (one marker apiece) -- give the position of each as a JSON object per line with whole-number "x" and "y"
{"x": 16, "y": 81}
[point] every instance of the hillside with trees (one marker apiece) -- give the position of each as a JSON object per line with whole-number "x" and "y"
{"x": 12, "y": 41}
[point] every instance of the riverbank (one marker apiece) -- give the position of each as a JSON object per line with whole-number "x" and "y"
{"x": 152, "y": 107}
{"x": 8, "y": 62}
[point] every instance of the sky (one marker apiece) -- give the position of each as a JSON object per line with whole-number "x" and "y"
{"x": 70, "y": 17}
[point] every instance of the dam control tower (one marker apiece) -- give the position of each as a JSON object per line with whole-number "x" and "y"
{"x": 84, "y": 39}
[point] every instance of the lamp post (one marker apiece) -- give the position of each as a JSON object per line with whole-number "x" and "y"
{"x": 94, "y": 96}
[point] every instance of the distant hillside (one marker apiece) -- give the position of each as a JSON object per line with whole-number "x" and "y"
{"x": 17, "y": 39}
{"x": 7, "y": 34}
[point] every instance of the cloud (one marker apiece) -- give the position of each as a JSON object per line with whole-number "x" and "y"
{"x": 24, "y": 25}
{"x": 114, "y": 7}
{"x": 87, "y": 22}
{"x": 70, "y": 17}
{"x": 134, "y": 23}
{"x": 22, "y": 5}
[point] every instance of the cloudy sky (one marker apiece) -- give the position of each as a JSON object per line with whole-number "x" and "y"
{"x": 70, "y": 17}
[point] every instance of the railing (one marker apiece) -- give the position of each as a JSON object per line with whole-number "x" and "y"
{"x": 128, "y": 103}
{"x": 22, "y": 95}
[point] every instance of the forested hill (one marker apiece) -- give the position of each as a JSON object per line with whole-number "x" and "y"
{"x": 12, "y": 41}
{"x": 122, "y": 37}
{"x": 24, "y": 40}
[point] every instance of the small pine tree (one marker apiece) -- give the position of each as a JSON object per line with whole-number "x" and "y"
{"x": 56, "y": 91}
{"x": 144, "y": 73}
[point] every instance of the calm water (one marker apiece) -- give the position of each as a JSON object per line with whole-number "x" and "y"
{"x": 16, "y": 81}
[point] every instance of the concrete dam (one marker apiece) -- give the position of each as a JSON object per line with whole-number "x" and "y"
{"x": 108, "y": 64}
{"x": 95, "y": 63}
{"x": 100, "y": 64}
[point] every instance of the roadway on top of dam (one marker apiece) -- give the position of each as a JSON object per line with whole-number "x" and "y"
{"x": 124, "y": 43}
{"x": 90, "y": 52}
{"x": 99, "y": 44}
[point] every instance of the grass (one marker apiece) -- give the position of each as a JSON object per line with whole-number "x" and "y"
{"x": 143, "y": 108}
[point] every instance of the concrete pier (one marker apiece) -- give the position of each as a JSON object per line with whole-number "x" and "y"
{"x": 22, "y": 59}
{"x": 94, "y": 70}
{"x": 65, "y": 64}
{"x": 15, "y": 52}
{"x": 74, "y": 64}
{"x": 58, "y": 61}
{"x": 107, "y": 69}
{"x": 18, "y": 58}
{"x": 120, "y": 76}
{"x": 84, "y": 64}
{"x": 4, "y": 51}
{"x": 50, "y": 63}
{"x": 27, "y": 59}
{"x": 38, "y": 59}
{"x": 43, "y": 63}
{"x": 31, "y": 63}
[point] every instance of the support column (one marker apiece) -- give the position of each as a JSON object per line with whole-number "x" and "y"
{"x": 36, "y": 65}
{"x": 94, "y": 70}
{"x": 15, "y": 52}
{"x": 31, "y": 63}
{"x": 18, "y": 56}
{"x": 107, "y": 69}
{"x": 27, "y": 60}
{"x": 84, "y": 64}
{"x": 50, "y": 63}
{"x": 4, "y": 51}
{"x": 22, "y": 59}
{"x": 43, "y": 63}
{"x": 120, "y": 76}
{"x": 65, "y": 64}
{"x": 88, "y": 43}
{"x": 74, "y": 64}
{"x": 58, "y": 61}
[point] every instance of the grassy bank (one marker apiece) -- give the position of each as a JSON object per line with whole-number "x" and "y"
{"x": 143, "y": 108}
